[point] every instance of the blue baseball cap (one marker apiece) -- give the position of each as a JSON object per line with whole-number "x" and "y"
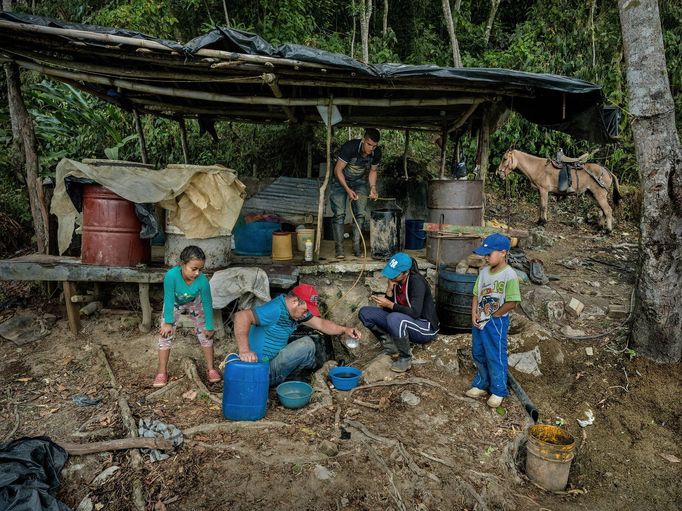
{"x": 398, "y": 263}
{"x": 493, "y": 242}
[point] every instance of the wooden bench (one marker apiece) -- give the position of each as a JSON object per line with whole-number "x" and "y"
{"x": 68, "y": 270}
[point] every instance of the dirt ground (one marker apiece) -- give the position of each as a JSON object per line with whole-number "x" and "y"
{"x": 371, "y": 450}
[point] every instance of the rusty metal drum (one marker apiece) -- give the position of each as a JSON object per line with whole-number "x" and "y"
{"x": 111, "y": 230}
{"x": 454, "y": 202}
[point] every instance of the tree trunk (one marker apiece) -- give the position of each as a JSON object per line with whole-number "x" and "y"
{"x": 658, "y": 310}
{"x": 365, "y": 16}
{"x": 447, "y": 13}
{"x": 384, "y": 25}
{"x": 494, "y": 4}
{"x": 34, "y": 185}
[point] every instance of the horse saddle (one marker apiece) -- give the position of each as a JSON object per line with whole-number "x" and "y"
{"x": 565, "y": 164}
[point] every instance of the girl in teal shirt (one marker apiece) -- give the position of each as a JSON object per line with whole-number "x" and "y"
{"x": 186, "y": 289}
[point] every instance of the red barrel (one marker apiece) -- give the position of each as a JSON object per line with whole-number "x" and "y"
{"x": 111, "y": 230}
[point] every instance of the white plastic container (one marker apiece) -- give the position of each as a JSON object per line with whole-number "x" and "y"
{"x": 308, "y": 250}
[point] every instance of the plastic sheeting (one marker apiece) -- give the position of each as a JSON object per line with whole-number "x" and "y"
{"x": 201, "y": 201}
{"x": 29, "y": 475}
{"x": 248, "y": 285}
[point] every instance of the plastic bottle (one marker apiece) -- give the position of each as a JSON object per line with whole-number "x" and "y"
{"x": 308, "y": 250}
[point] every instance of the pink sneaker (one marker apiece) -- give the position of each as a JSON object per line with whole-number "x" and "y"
{"x": 213, "y": 376}
{"x": 161, "y": 380}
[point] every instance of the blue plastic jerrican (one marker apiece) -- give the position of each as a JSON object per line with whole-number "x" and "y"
{"x": 255, "y": 239}
{"x": 345, "y": 377}
{"x": 245, "y": 389}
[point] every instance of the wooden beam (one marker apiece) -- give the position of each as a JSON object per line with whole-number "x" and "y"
{"x": 323, "y": 188}
{"x": 71, "y": 308}
{"x": 271, "y": 80}
{"x": 473, "y": 229}
{"x": 183, "y": 139}
{"x": 140, "y": 136}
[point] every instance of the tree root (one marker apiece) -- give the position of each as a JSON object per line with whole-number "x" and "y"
{"x": 193, "y": 375}
{"x": 393, "y": 489}
{"x": 418, "y": 381}
{"x": 225, "y": 427}
{"x": 158, "y": 394}
{"x": 129, "y": 422}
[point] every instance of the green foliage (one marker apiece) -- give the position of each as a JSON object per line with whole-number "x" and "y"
{"x": 148, "y": 16}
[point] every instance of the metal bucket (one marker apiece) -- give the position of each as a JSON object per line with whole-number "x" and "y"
{"x": 454, "y": 202}
{"x": 384, "y": 233}
{"x": 549, "y": 456}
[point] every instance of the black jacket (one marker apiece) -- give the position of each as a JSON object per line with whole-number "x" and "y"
{"x": 419, "y": 299}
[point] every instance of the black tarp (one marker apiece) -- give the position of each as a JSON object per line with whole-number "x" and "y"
{"x": 570, "y": 105}
{"x": 29, "y": 475}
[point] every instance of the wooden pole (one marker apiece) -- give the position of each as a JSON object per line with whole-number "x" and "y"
{"x": 246, "y": 100}
{"x": 323, "y": 188}
{"x": 485, "y": 152}
{"x": 443, "y": 146}
{"x": 407, "y": 145}
{"x": 271, "y": 80}
{"x": 309, "y": 167}
{"x": 140, "y": 136}
{"x": 183, "y": 139}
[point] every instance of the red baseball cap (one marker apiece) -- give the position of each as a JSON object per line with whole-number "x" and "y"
{"x": 310, "y": 296}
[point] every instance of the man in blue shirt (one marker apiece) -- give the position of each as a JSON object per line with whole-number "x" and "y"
{"x": 262, "y": 333}
{"x": 355, "y": 169}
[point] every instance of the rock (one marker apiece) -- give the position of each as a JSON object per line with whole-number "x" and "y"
{"x": 105, "y": 475}
{"x": 379, "y": 369}
{"x": 555, "y": 310}
{"x": 462, "y": 267}
{"x": 570, "y": 332}
{"x": 344, "y": 501}
{"x": 328, "y": 448}
{"x": 322, "y": 473}
{"x": 475, "y": 261}
{"x": 527, "y": 362}
{"x": 538, "y": 239}
{"x": 86, "y": 504}
{"x": 449, "y": 365}
{"x": 617, "y": 311}
{"x": 472, "y": 271}
{"x": 589, "y": 351}
{"x": 593, "y": 310}
{"x": 559, "y": 357}
{"x": 575, "y": 307}
{"x": 535, "y": 300}
{"x": 409, "y": 398}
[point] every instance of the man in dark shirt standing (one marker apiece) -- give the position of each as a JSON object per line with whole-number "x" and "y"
{"x": 355, "y": 177}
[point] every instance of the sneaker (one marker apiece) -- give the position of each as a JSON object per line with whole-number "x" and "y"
{"x": 160, "y": 380}
{"x": 402, "y": 365}
{"x": 213, "y": 376}
{"x": 475, "y": 392}
{"x": 494, "y": 401}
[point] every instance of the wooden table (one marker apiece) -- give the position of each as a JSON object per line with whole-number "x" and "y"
{"x": 67, "y": 270}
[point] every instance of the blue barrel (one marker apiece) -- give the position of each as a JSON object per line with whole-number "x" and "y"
{"x": 255, "y": 239}
{"x": 245, "y": 389}
{"x": 415, "y": 237}
{"x": 453, "y": 302}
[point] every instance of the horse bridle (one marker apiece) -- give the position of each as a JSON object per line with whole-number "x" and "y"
{"x": 507, "y": 164}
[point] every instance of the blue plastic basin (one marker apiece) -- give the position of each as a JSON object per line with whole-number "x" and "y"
{"x": 345, "y": 377}
{"x": 294, "y": 394}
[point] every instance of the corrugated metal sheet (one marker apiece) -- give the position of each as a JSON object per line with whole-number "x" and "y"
{"x": 286, "y": 196}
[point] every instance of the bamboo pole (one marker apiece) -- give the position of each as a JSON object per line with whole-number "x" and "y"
{"x": 247, "y": 100}
{"x": 183, "y": 139}
{"x": 443, "y": 146}
{"x": 465, "y": 117}
{"x": 323, "y": 188}
{"x": 140, "y": 136}
{"x": 407, "y": 146}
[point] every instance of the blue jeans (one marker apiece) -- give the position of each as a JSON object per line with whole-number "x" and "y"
{"x": 397, "y": 324}
{"x": 298, "y": 354}
{"x": 338, "y": 198}
{"x": 489, "y": 350}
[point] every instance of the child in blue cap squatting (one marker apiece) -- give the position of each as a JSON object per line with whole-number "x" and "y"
{"x": 496, "y": 292}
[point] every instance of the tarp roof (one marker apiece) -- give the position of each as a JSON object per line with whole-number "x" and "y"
{"x": 228, "y": 74}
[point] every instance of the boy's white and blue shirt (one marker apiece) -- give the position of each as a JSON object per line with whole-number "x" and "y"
{"x": 495, "y": 289}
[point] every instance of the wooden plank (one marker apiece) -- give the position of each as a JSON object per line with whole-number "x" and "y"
{"x": 146, "y": 324}
{"x": 56, "y": 268}
{"x": 473, "y": 229}
{"x": 71, "y": 308}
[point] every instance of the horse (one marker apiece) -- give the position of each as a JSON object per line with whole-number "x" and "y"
{"x": 590, "y": 177}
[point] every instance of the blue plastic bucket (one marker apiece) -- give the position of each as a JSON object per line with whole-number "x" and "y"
{"x": 294, "y": 394}
{"x": 415, "y": 237}
{"x": 453, "y": 304}
{"x": 245, "y": 389}
{"x": 255, "y": 239}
